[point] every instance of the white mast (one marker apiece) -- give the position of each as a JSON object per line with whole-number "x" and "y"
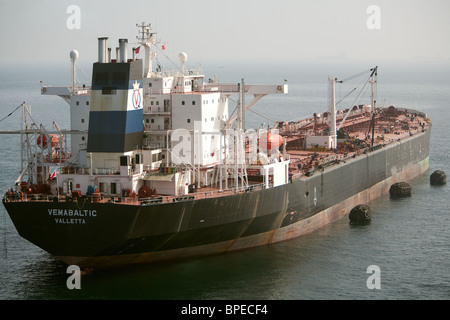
{"x": 73, "y": 58}
{"x": 147, "y": 39}
{"x": 332, "y": 82}
{"x": 241, "y": 111}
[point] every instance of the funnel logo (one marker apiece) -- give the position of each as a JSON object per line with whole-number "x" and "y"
{"x": 136, "y": 98}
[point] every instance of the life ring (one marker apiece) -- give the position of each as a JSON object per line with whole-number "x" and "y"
{"x": 44, "y": 89}
{"x": 279, "y": 88}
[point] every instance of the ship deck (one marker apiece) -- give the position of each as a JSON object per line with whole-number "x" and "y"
{"x": 391, "y": 125}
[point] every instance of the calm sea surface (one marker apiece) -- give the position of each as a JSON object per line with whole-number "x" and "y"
{"x": 408, "y": 239}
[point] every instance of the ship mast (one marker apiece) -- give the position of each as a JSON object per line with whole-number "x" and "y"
{"x": 147, "y": 39}
{"x": 73, "y": 59}
{"x": 370, "y": 79}
{"x": 373, "y": 81}
{"x": 333, "y": 135}
{"x": 241, "y": 107}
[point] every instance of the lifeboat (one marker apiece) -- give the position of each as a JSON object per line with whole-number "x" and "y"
{"x": 42, "y": 140}
{"x": 270, "y": 141}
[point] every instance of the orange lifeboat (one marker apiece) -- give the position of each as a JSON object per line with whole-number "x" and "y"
{"x": 270, "y": 141}
{"x": 42, "y": 140}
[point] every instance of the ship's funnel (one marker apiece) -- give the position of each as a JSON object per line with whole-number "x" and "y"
{"x": 123, "y": 50}
{"x": 102, "y": 49}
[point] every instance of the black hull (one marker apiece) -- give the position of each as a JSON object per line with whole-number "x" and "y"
{"x": 111, "y": 234}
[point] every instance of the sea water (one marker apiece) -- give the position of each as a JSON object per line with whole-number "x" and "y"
{"x": 404, "y": 250}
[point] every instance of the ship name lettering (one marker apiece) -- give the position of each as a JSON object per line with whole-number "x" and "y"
{"x": 72, "y": 213}
{"x": 70, "y": 221}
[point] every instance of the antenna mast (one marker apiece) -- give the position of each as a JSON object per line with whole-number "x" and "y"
{"x": 73, "y": 59}
{"x": 147, "y": 39}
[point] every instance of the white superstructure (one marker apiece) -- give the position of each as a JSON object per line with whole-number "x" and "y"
{"x": 189, "y": 136}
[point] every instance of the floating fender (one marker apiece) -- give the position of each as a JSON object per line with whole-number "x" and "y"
{"x": 438, "y": 178}
{"x": 361, "y": 214}
{"x": 400, "y": 189}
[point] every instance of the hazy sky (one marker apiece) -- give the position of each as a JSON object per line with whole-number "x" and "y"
{"x": 263, "y": 31}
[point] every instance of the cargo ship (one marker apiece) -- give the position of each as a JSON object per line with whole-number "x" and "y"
{"x": 159, "y": 165}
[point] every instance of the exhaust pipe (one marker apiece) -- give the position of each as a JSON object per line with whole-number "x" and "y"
{"x": 102, "y": 49}
{"x": 123, "y": 50}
